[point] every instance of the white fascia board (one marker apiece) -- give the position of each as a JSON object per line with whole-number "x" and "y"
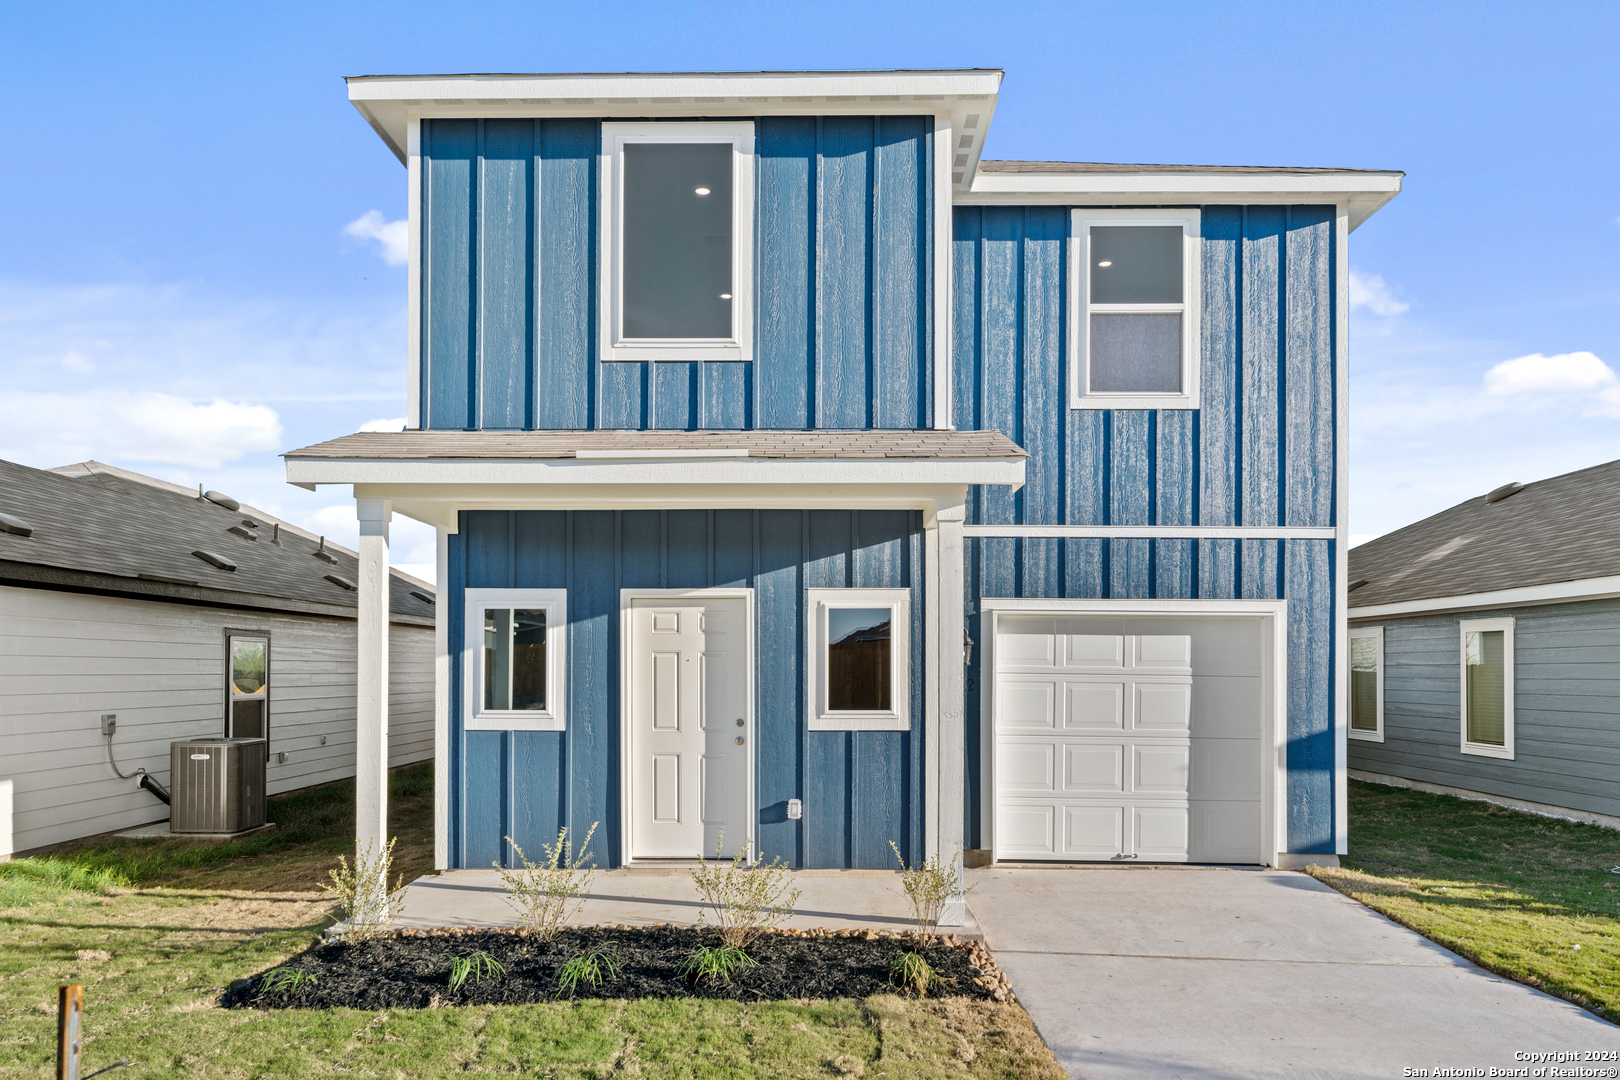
{"x": 1362, "y": 194}
{"x": 388, "y": 102}
{"x": 1558, "y": 592}
{"x": 708, "y": 472}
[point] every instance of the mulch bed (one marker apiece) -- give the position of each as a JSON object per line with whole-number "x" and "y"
{"x": 411, "y": 969}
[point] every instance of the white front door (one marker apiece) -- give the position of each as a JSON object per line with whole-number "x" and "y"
{"x": 689, "y": 725}
{"x": 1128, "y": 739}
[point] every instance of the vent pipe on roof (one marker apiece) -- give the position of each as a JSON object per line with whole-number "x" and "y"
{"x": 1503, "y": 492}
{"x": 275, "y": 535}
{"x": 322, "y": 554}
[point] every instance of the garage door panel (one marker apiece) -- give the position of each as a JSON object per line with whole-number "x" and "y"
{"x": 1226, "y": 707}
{"x": 1026, "y": 643}
{"x": 1093, "y": 832}
{"x": 1163, "y": 707}
{"x": 1161, "y": 832}
{"x": 1094, "y": 706}
{"x": 1026, "y": 705}
{"x": 1093, "y": 651}
{"x": 1093, "y": 770}
{"x": 1159, "y": 770}
{"x": 1226, "y": 831}
{"x": 1025, "y": 767}
{"x": 1164, "y": 652}
{"x": 1026, "y": 832}
{"x": 1225, "y": 769}
{"x": 1228, "y": 646}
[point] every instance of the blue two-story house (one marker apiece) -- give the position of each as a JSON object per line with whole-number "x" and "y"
{"x": 799, "y": 475}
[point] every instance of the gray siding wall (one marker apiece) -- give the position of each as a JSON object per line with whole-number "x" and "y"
{"x": 67, "y": 658}
{"x": 1566, "y": 707}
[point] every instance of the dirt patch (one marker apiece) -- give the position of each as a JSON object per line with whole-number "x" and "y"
{"x": 411, "y": 969}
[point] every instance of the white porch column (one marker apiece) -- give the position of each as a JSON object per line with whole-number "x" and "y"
{"x": 371, "y": 679}
{"x": 952, "y": 708}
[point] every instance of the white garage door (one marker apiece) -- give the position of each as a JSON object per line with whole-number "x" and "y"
{"x": 1128, "y": 739}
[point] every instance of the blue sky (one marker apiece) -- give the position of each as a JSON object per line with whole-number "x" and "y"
{"x": 182, "y": 293}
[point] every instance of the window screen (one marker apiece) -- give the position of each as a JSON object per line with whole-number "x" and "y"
{"x": 1364, "y": 683}
{"x": 514, "y": 659}
{"x": 248, "y": 688}
{"x": 677, "y": 242}
{"x": 860, "y": 674}
{"x": 1485, "y": 664}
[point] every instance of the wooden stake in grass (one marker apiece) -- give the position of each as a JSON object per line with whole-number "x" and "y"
{"x": 70, "y": 1007}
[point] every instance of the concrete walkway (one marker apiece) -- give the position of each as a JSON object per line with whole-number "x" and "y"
{"x": 835, "y": 899}
{"x": 1177, "y": 972}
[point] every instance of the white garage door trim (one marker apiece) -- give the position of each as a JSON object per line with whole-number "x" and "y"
{"x": 1273, "y": 615}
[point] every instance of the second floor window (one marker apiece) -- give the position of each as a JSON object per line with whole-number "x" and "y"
{"x": 678, "y": 206}
{"x": 1135, "y": 285}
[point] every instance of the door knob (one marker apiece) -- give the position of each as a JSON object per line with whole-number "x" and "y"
{"x": 739, "y": 740}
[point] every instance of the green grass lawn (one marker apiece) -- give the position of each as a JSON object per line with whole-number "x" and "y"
{"x": 156, "y": 930}
{"x": 1528, "y": 897}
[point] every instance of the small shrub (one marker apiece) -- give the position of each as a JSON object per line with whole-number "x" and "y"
{"x": 928, "y": 886}
{"x": 911, "y": 972}
{"x": 288, "y": 979}
{"x": 746, "y": 901}
{"x": 547, "y": 894}
{"x": 363, "y": 894}
{"x": 590, "y": 969}
{"x": 476, "y": 966}
{"x": 717, "y": 963}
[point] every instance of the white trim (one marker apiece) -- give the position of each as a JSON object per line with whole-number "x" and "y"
{"x": 1158, "y": 532}
{"x": 1273, "y": 677}
{"x": 1376, "y": 633}
{"x": 936, "y": 628}
{"x": 818, "y": 604}
{"x": 441, "y": 702}
{"x": 627, "y": 728}
{"x": 1081, "y": 308}
{"x": 1341, "y": 516}
{"x": 944, "y": 299}
{"x": 413, "y": 275}
{"x": 1464, "y": 627}
{"x": 1557, "y": 592}
{"x": 740, "y": 346}
{"x": 554, "y": 602}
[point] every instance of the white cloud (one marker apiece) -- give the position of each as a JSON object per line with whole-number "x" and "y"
{"x": 1557, "y": 374}
{"x": 77, "y": 361}
{"x": 144, "y": 426}
{"x": 390, "y": 236}
{"x": 1369, "y": 291}
{"x": 395, "y": 424}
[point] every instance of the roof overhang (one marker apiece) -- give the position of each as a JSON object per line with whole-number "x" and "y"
{"x": 1557, "y": 592}
{"x": 968, "y": 96}
{"x": 1361, "y": 193}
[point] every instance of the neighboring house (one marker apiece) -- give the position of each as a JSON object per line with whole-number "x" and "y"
{"x": 125, "y": 595}
{"x": 707, "y": 372}
{"x": 1485, "y": 649}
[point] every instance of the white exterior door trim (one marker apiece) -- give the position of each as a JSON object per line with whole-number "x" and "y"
{"x": 627, "y": 729}
{"x": 1274, "y": 681}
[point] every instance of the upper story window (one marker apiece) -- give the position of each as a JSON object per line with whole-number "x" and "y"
{"x": 247, "y": 687}
{"x": 678, "y": 204}
{"x": 1367, "y": 683}
{"x": 1134, "y": 286}
{"x": 1487, "y": 687}
{"x": 514, "y": 641}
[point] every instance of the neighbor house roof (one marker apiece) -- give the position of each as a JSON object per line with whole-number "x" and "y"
{"x": 100, "y": 529}
{"x": 1564, "y": 529}
{"x": 820, "y": 445}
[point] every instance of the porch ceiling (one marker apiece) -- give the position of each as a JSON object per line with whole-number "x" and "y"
{"x": 431, "y": 475}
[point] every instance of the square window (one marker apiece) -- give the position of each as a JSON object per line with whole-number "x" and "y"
{"x": 514, "y": 649}
{"x": 860, "y": 667}
{"x": 1367, "y": 683}
{"x": 247, "y": 687}
{"x": 677, "y": 209}
{"x": 1487, "y": 687}
{"x": 1134, "y": 286}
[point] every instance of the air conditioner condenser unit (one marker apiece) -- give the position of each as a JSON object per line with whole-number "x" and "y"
{"x": 218, "y": 785}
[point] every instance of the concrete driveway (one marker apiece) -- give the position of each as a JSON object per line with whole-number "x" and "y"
{"x": 1175, "y": 972}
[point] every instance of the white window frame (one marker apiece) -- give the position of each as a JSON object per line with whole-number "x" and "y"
{"x": 740, "y": 346}
{"x": 1505, "y": 751}
{"x": 554, "y": 602}
{"x": 1377, "y": 634}
{"x": 1081, "y": 308}
{"x": 818, "y": 602}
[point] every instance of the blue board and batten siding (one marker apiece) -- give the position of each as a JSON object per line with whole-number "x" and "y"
{"x": 1260, "y": 450}
{"x": 843, "y": 283}
{"x": 860, "y": 789}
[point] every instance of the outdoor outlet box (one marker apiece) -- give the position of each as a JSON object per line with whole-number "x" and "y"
{"x": 795, "y": 809}
{"x": 281, "y": 758}
{"x": 323, "y": 740}
{"x": 109, "y": 723}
